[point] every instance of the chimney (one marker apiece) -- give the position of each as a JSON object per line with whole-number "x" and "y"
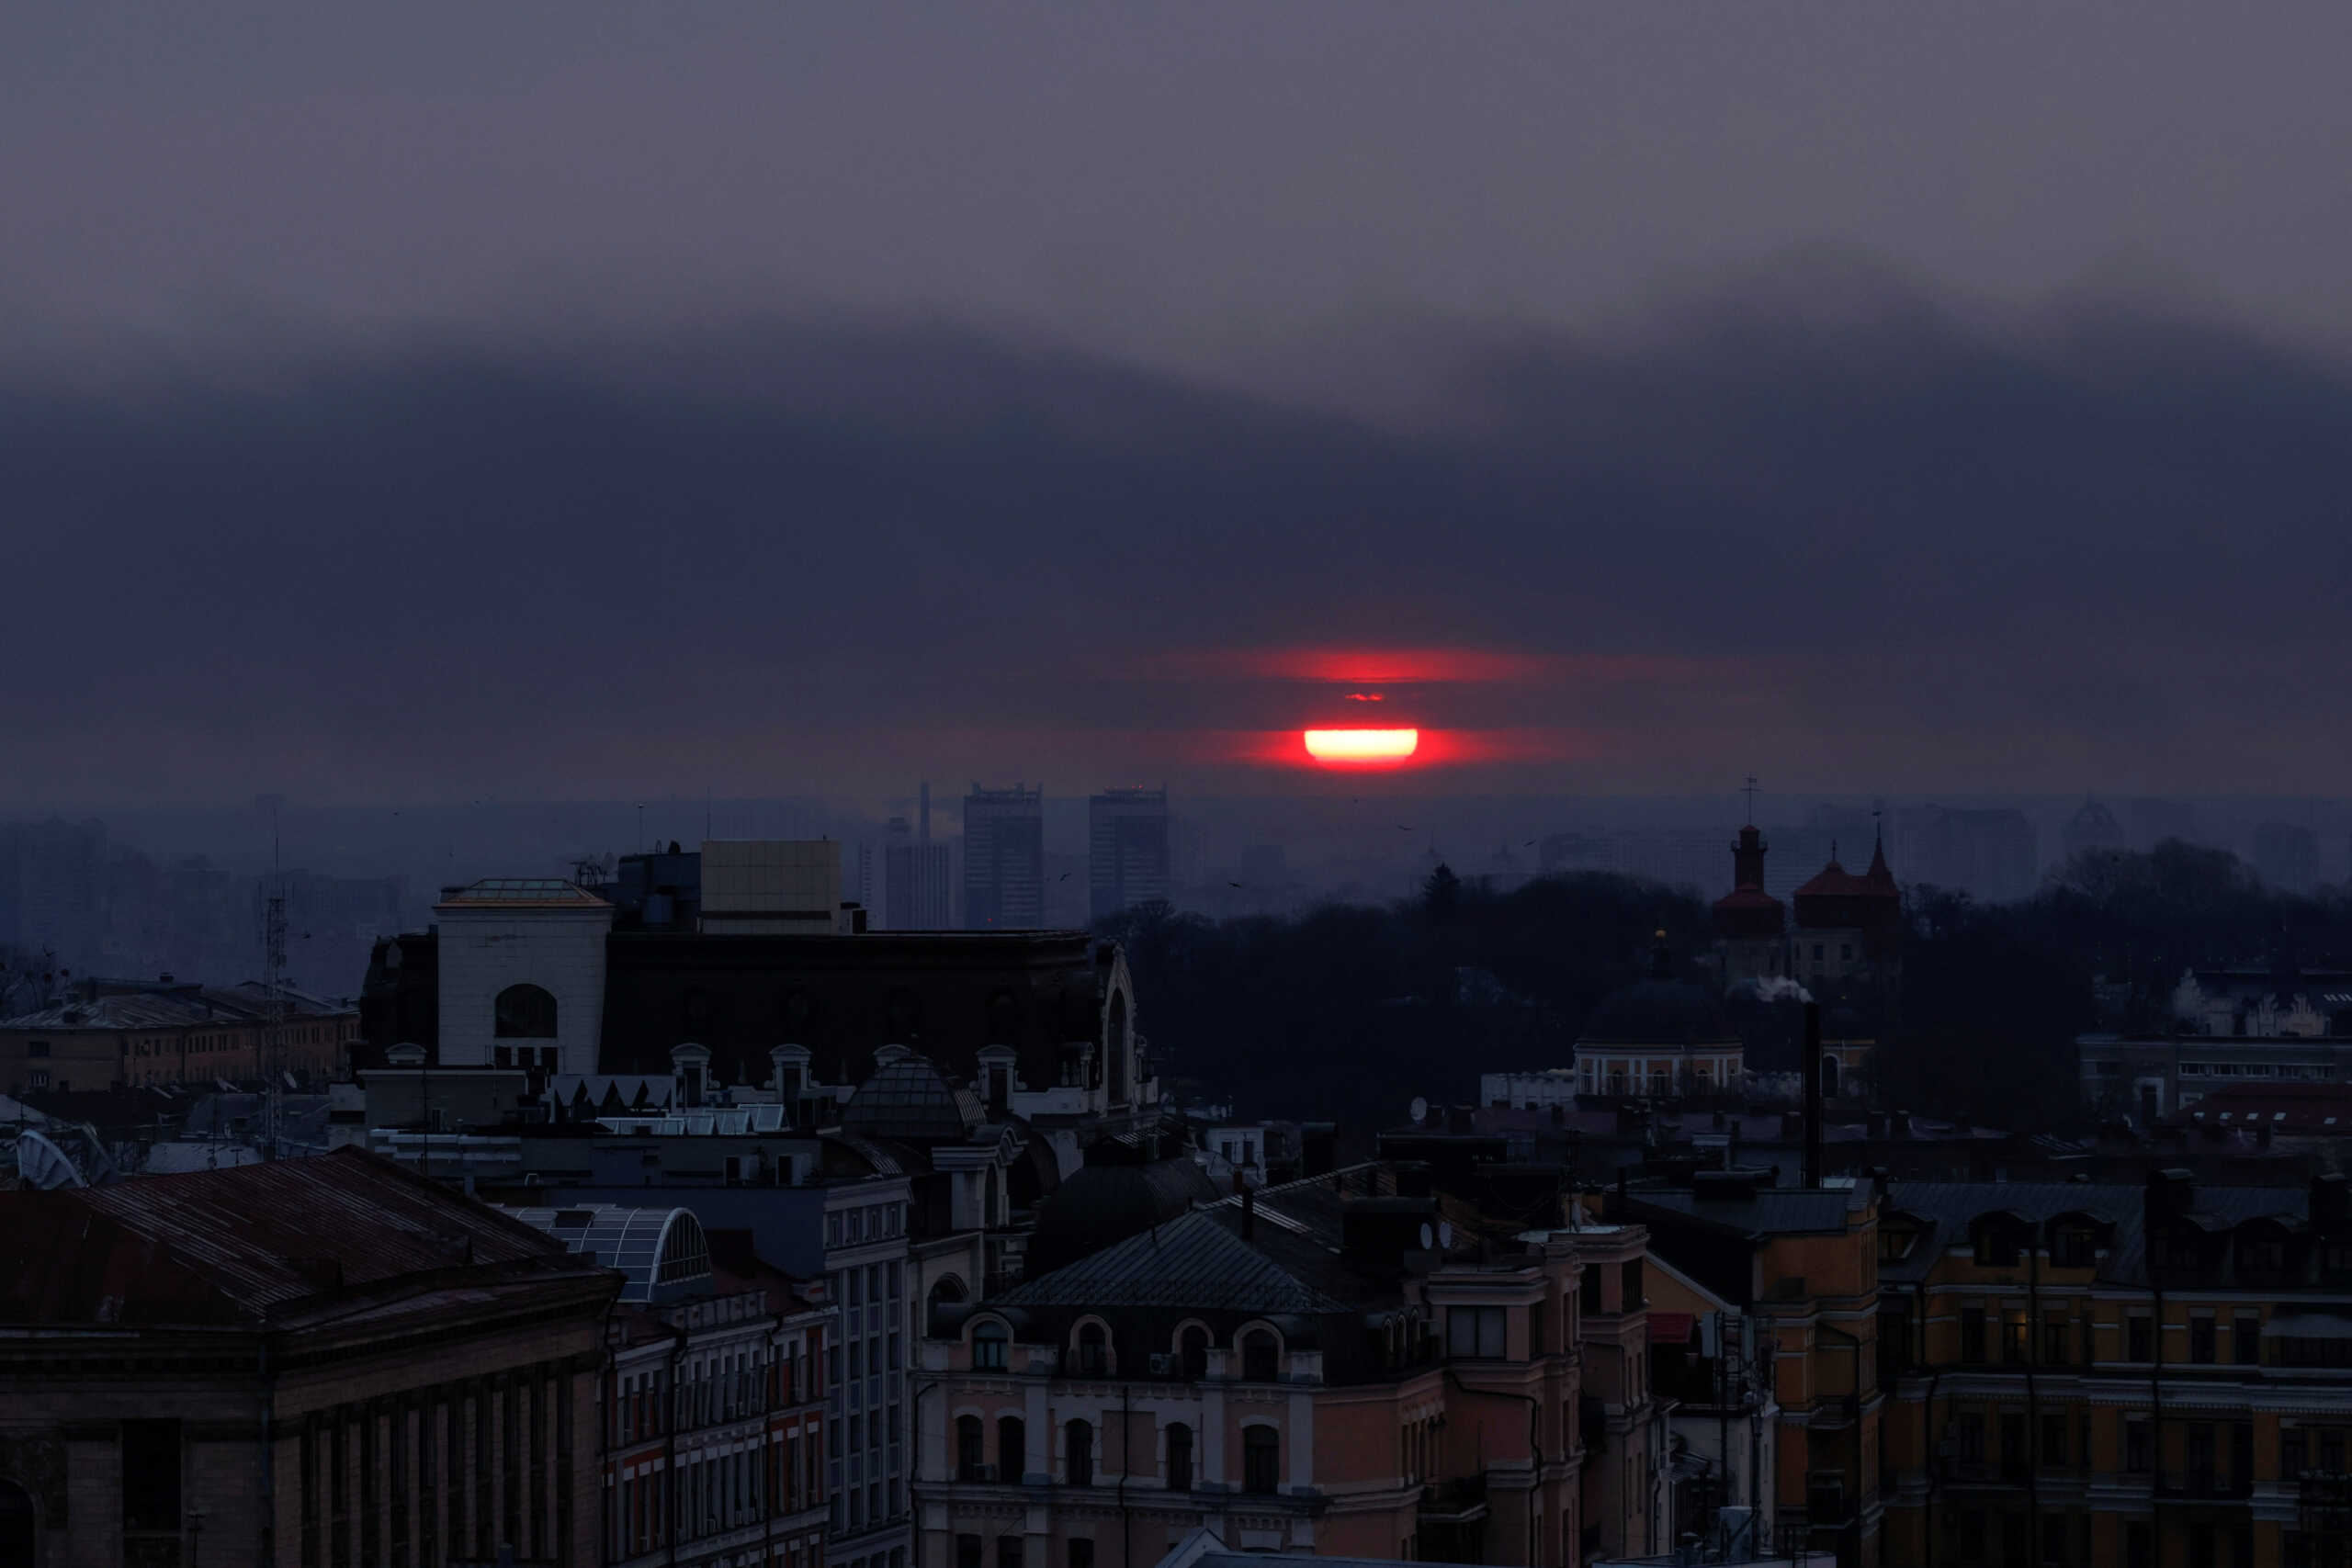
{"x": 1376, "y": 1233}
{"x": 1248, "y": 1212}
{"x": 2170, "y": 1194}
{"x": 1811, "y": 1094}
{"x": 2331, "y": 1204}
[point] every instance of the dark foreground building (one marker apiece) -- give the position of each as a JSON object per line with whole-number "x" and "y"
{"x": 298, "y": 1363}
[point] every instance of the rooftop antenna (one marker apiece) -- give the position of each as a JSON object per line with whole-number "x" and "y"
{"x": 273, "y": 963}
{"x": 1750, "y": 789}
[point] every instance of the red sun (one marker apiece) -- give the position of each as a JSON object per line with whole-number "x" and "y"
{"x": 1362, "y": 748}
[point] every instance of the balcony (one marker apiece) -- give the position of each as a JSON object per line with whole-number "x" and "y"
{"x": 2324, "y": 1500}
{"x": 1460, "y": 1501}
{"x": 2202, "y": 1486}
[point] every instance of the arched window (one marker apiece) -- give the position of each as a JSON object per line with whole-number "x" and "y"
{"x": 523, "y": 1012}
{"x": 1180, "y": 1458}
{"x": 1194, "y": 1346}
{"x": 1828, "y": 1076}
{"x": 1012, "y": 1447}
{"x": 948, "y": 1291}
{"x": 1094, "y": 1350}
{"x": 1259, "y": 1356}
{"x": 1077, "y": 1453}
{"x": 1262, "y": 1460}
{"x": 989, "y": 1343}
{"x": 968, "y": 1459}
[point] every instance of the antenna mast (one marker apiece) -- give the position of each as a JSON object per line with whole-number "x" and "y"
{"x": 273, "y": 963}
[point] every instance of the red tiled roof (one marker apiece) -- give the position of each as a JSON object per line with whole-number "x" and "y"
{"x": 1671, "y": 1327}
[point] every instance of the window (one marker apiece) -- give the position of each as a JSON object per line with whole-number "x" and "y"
{"x": 2201, "y": 1340}
{"x": 1180, "y": 1458}
{"x": 1259, "y": 1356}
{"x": 2072, "y": 1248}
{"x": 1012, "y": 1447}
{"x": 1588, "y": 1291}
{"x": 1971, "y": 1436}
{"x": 1081, "y": 1553}
{"x": 1008, "y": 1552}
{"x": 1260, "y": 1460}
{"x": 2137, "y": 1455}
{"x": 36, "y": 1079}
{"x": 1475, "y": 1333}
{"x": 968, "y": 1462}
{"x": 1094, "y": 1350}
{"x": 988, "y": 1342}
{"x": 1971, "y": 1334}
{"x": 967, "y": 1551}
{"x": 2013, "y": 1338}
{"x": 151, "y": 1475}
{"x": 1077, "y": 1454}
{"x": 523, "y": 1012}
{"x": 2053, "y": 1440}
{"x": 37, "y": 1048}
{"x": 1996, "y": 1245}
{"x": 2139, "y": 1544}
{"x": 1194, "y": 1345}
{"x": 1631, "y": 1278}
{"x": 2053, "y": 1341}
{"x": 2140, "y": 1338}
{"x": 2246, "y": 1339}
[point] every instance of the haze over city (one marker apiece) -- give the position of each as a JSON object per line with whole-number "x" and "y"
{"x": 1209, "y": 786}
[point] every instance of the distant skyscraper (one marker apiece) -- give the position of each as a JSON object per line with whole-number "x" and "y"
{"x": 915, "y": 877}
{"x": 1128, "y": 849}
{"x": 2287, "y": 856}
{"x": 2092, "y": 828}
{"x": 1991, "y": 854}
{"x": 1004, "y": 859}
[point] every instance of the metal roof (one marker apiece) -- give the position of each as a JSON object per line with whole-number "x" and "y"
{"x": 252, "y": 1242}
{"x": 660, "y": 1252}
{"x": 1947, "y": 1209}
{"x": 909, "y": 1098}
{"x": 539, "y": 891}
{"x": 1192, "y": 1261}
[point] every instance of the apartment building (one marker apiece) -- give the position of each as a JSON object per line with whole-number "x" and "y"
{"x": 1801, "y": 1267}
{"x": 2151, "y": 1377}
{"x": 1351, "y": 1364}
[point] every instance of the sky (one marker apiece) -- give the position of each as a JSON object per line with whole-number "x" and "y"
{"x": 597, "y": 399}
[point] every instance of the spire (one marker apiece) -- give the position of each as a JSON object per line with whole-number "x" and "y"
{"x": 1878, "y": 870}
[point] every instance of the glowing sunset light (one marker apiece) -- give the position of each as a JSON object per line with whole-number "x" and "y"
{"x": 1361, "y": 745}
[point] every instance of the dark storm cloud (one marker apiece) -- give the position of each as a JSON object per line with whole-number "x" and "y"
{"x": 1818, "y": 523}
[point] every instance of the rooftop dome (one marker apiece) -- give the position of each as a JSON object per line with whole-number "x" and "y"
{"x": 1659, "y": 1010}
{"x": 909, "y": 1097}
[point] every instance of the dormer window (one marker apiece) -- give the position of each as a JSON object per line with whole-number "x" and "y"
{"x": 989, "y": 1343}
{"x": 2073, "y": 1246}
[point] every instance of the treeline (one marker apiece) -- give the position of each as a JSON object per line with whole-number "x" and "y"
{"x": 1349, "y": 1011}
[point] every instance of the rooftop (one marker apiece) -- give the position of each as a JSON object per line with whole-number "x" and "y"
{"x": 256, "y": 1244}
{"x": 513, "y": 892}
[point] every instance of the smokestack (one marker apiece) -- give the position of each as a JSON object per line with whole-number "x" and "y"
{"x": 1813, "y": 1094}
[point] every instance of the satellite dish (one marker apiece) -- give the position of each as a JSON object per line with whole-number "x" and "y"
{"x": 1425, "y": 1238}
{"x": 1445, "y": 1232}
{"x": 1420, "y": 1111}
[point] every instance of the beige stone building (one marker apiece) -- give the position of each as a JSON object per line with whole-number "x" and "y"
{"x": 300, "y": 1363}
